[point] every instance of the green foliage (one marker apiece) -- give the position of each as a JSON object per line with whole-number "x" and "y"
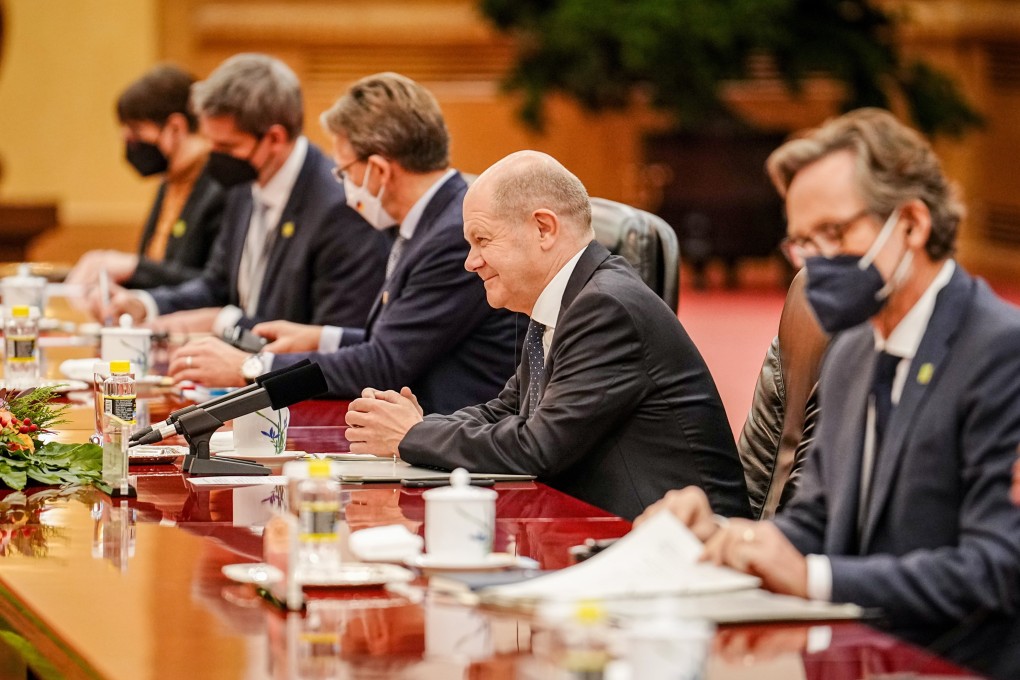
{"x": 680, "y": 53}
{"x": 52, "y": 464}
{"x": 24, "y": 417}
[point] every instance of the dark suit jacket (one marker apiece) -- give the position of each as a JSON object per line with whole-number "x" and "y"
{"x": 941, "y": 544}
{"x": 187, "y": 251}
{"x": 430, "y": 328}
{"x": 325, "y": 266}
{"x": 629, "y": 410}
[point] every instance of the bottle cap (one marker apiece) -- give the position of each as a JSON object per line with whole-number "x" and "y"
{"x": 20, "y": 312}
{"x": 318, "y": 468}
{"x": 120, "y": 367}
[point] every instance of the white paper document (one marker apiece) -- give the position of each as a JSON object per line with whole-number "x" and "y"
{"x": 238, "y": 480}
{"x": 658, "y": 558}
{"x": 394, "y": 470}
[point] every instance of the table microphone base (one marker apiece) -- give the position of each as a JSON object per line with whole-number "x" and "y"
{"x": 198, "y": 462}
{"x": 223, "y": 466}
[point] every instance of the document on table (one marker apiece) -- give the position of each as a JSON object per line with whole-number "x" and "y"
{"x": 238, "y": 480}
{"x": 394, "y": 470}
{"x": 658, "y": 558}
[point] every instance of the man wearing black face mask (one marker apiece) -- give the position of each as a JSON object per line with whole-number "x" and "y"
{"x": 903, "y": 503}
{"x": 289, "y": 248}
{"x": 161, "y": 137}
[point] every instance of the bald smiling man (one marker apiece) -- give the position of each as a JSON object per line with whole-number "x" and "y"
{"x": 611, "y": 402}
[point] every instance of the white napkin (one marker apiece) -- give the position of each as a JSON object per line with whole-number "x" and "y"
{"x": 392, "y": 543}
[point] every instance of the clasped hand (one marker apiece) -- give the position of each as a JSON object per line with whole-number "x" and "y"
{"x": 756, "y": 548}
{"x": 379, "y": 420}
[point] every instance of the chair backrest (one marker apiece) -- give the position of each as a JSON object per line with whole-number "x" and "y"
{"x": 645, "y": 240}
{"x": 780, "y": 426}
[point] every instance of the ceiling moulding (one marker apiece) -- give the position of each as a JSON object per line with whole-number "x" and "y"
{"x": 351, "y": 23}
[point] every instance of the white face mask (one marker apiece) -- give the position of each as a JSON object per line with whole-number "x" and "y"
{"x": 368, "y": 206}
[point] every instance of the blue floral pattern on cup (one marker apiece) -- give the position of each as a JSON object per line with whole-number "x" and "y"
{"x": 276, "y": 429}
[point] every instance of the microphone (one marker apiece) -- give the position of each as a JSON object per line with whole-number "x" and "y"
{"x": 172, "y": 418}
{"x": 277, "y": 392}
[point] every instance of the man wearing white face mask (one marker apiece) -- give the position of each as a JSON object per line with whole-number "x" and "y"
{"x": 430, "y": 327}
{"x": 903, "y": 502}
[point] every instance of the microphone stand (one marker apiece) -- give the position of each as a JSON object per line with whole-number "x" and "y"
{"x": 198, "y": 462}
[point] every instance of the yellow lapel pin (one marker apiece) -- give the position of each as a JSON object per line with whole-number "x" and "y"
{"x": 385, "y": 296}
{"x": 287, "y": 230}
{"x": 925, "y": 373}
{"x": 179, "y": 228}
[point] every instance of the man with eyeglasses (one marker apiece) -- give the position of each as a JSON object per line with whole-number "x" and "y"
{"x": 289, "y": 247}
{"x": 903, "y": 505}
{"x": 430, "y": 327}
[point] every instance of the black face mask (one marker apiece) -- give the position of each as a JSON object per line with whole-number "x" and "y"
{"x": 146, "y": 158}
{"x": 230, "y": 170}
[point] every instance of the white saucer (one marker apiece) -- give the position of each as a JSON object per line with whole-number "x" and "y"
{"x": 492, "y": 561}
{"x": 258, "y": 573}
{"x": 360, "y": 575}
{"x": 60, "y": 386}
{"x": 281, "y": 457}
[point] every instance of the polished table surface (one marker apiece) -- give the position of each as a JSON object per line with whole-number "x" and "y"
{"x": 114, "y": 589}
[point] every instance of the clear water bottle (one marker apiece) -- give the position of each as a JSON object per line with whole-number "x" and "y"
{"x": 118, "y": 423}
{"x": 21, "y": 340}
{"x": 319, "y": 523}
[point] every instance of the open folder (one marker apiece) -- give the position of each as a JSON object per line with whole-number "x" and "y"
{"x": 659, "y": 559}
{"x": 394, "y": 470}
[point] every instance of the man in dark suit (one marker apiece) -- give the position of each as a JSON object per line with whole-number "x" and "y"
{"x": 611, "y": 403}
{"x": 161, "y": 138}
{"x": 903, "y": 504}
{"x": 430, "y": 326}
{"x": 290, "y": 248}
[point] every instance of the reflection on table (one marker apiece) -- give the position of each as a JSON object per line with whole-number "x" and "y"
{"x": 134, "y": 589}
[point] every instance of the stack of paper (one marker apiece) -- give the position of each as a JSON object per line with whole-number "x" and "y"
{"x": 655, "y": 562}
{"x": 658, "y": 558}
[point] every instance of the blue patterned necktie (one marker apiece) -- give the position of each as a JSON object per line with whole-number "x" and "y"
{"x": 535, "y": 356}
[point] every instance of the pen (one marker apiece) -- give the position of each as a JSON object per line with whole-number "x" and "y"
{"x": 431, "y": 483}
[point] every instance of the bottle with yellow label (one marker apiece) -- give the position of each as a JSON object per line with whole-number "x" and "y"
{"x": 118, "y": 423}
{"x": 319, "y": 523}
{"x": 21, "y": 336}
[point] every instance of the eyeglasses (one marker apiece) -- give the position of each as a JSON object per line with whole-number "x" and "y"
{"x": 826, "y": 240}
{"x": 339, "y": 173}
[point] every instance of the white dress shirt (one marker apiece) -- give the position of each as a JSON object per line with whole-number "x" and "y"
{"x": 902, "y": 342}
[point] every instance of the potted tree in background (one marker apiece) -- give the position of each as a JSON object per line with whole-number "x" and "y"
{"x": 690, "y": 58}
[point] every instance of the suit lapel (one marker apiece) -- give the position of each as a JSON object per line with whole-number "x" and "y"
{"x": 450, "y": 189}
{"x": 848, "y": 445}
{"x": 591, "y": 259}
{"x": 951, "y": 306}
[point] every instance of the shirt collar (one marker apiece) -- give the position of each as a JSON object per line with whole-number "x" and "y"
{"x": 410, "y": 223}
{"x": 277, "y": 190}
{"x": 906, "y": 337}
{"x": 547, "y": 307}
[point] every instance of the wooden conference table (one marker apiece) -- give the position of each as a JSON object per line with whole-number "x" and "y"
{"x": 102, "y": 590}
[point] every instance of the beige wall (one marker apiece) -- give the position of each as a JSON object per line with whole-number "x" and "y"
{"x": 64, "y": 63}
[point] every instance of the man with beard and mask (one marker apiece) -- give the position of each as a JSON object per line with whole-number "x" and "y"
{"x": 903, "y": 505}
{"x": 430, "y": 327}
{"x": 290, "y": 247}
{"x": 161, "y": 138}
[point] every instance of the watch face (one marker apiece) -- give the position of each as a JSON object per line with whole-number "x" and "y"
{"x": 251, "y": 368}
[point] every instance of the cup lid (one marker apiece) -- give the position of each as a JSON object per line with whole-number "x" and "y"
{"x": 460, "y": 489}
